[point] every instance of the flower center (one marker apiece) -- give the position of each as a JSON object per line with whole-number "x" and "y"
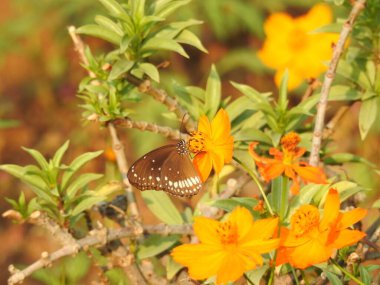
{"x": 297, "y": 39}
{"x": 196, "y": 142}
{"x": 304, "y": 219}
{"x": 290, "y": 141}
{"x": 227, "y": 233}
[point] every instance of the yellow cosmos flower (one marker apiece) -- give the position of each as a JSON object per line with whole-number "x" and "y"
{"x": 212, "y": 143}
{"x": 227, "y": 249}
{"x": 291, "y": 45}
{"x": 311, "y": 239}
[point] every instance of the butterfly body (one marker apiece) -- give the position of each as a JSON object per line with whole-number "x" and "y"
{"x": 167, "y": 168}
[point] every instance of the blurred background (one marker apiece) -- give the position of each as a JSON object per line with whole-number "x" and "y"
{"x": 40, "y": 73}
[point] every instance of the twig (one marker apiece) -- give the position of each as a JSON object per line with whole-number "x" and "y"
{"x": 160, "y": 95}
{"x": 62, "y": 235}
{"x": 328, "y": 79}
{"x": 123, "y": 168}
{"x": 145, "y": 126}
{"x": 117, "y": 146}
{"x": 95, "y": 238}
{"x": 330, "y": 126}
{"x": 314, "y": 84}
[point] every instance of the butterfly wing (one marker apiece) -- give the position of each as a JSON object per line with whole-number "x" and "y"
{"x": 179, "y": 177}
{"x": 167, "y": 169}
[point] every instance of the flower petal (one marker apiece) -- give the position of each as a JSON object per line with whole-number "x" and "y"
{"x": 311, "y": 174}
{"x": 203, "y": 163}
{"x": 202, "y": 260}
{"x": 331, "y": 209}
{"x": 261, "y": 246}
{"x": 220, "y": 126}
{"x": 351, "y": 217}
{"x": 217, "y": 161}
{"x": 347, "y": 237}
{"x": 204, "y": 125}
{"x": 272, "y": 170}
{"x": 205, "y": 230}
{"x": 312, "y": 252}
{"x": 233, "y": 267}
{"x": 242, "y": 218}
{"x": 263, "y": 229}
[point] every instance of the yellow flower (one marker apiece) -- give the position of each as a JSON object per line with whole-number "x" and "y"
{"x": 291, "y": 45}
{"x": 227, "y": 249}
{"x": 212, "y": 143}
{"x": 312, "y": 239}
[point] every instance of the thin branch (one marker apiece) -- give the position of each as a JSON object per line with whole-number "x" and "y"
{"x": 118, "y": 149}
{"x": 331, "y": 125}
{"x": 160, "y": 95}
{"x": 313, "y": 85}
{"x": 329, "y": 77}
{"x": 145, "y": 126}
{"x": 95, "y": 238}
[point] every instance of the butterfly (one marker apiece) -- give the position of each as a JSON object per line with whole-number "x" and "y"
{"x": 168, "y": 168}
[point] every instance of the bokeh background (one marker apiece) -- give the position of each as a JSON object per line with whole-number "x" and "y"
{"x": 39, "y": 76}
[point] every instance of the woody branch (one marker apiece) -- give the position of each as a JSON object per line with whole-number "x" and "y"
{"x": 328, "y": 79}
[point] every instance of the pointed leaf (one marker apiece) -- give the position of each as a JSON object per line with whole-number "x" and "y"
{"x": 150, "y": 70}
{"x": 109, "y": 24}
{"x": 81, "y": 182}
{"x": 77, "y": 164}
{"x": 154, "y": 44}
{"x": 162, "y": 207}
{"x": 38, "y": 157}
{"x": 187, "y": 37}
{"x": 59, "y": 154}
{"x": 100, "y": 32}
{"x": 121, "y": 67}
{"x": 283, "y": 91}
{"x": 113, "y": 7}
{"x": 156, "y": 244}
{"x": 86, "y": 204}
{"x": 213, "y": 93}
{"x": 367, "y": 116}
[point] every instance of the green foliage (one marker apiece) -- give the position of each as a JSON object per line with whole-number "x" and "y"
{"x": 139, "y": 31}
{"x": 60, "y": 190}
{"x": 69, "y": 271}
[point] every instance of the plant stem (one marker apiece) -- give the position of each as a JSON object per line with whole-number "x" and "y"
{"x": 348, "y": 274}
{"x": 248, "y": 280}
{"x": 304, "y": 277}
{"x": 295, "y": 275}
{"x": 254, "y": 177}
{"x": 284, "y": 197}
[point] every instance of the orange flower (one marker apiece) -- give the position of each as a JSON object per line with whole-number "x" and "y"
{"x": 227, "y": 249}
{"x": 287, "y": 162}
{"x": 312, "y": 240}
{"x": 212, "y": 143}
{"x": 291, "y": 44}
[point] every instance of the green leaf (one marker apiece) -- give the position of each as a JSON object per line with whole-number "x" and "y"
{"x": 231, "y": 203}
{"x": 86, "y": 204}
{"x": 376, "y": 204}
{"x": 22, "y": 174}
{"x": 340, "y": 158}
{"x": 81, "y": 182}
{"x": 213, "y": 93}
{"x": 172, "y": 268}
{"x": 120, "y": 67}
{"x": 283, "y": 91}
{"x": 164, "y": 8}
{"x": 364, "y": 275}
{"x": 252, "y": 93}
{"x": 156, "y": 244}
{"x": 333, "y": 278}
{"x": 154, "y": 44}
{"x": 100, "y": 32}
{"x": 252, "y": 134}
{"x": 38, "y": 157}
{"x": 150, "y": 70}
{"x": 257, "y": 274}
{"x": 59, "y": 154}
{"x": 77, "y": 164}
{"x": 113, "y": 7}
{"x": 329, "y": 28}
{"x": 109, "y": 24}
{"x": 367, "y": 116}
{"x": 187, "y": 37}
{"x": 162, "y": 207}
